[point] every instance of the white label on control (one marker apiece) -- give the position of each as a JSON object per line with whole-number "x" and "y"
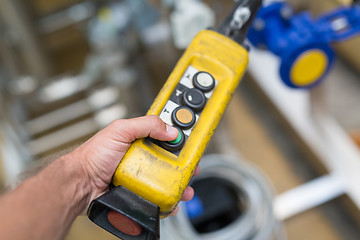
{"x": 178, "y": 92}
{"x": 186, "y": 79}
{"x": 187, "y": 132}
{"x": 165, "y": 114}
{"x": 208, "y": 94}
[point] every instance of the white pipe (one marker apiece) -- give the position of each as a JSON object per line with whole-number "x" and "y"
{"x": 307, "y": 196}
{"x": 315, "y": 127}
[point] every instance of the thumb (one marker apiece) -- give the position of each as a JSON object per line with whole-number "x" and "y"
{"x": 148, "y": 126}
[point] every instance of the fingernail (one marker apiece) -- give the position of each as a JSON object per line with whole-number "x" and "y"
{"x": 172, "y": 130}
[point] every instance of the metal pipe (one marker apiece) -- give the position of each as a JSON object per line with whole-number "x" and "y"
{"x": 97, "y": 100}
{"x": 17, "y": 20}
{"x": 74, "y": 14}
{"x": 76, "y": 131}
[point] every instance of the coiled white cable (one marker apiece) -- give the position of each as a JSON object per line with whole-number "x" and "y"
{"x": 257, "y": 221}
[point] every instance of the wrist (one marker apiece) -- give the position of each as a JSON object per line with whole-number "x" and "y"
{"x": 82, "y": 187}
{"x": 70, "y": 181}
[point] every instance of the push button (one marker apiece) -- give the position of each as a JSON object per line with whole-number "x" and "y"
{"x": 183, "y": 117}
{"x": 195, "y": 99}
{"x": 175, "y": 144}
{"x": 204, "y": 81}
{"x": 177, "y": 140}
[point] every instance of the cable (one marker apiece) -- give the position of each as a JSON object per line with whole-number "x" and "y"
{"x": 257, "y": 222}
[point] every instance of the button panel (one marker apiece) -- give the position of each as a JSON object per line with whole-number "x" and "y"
{"x": 184, "y": 107}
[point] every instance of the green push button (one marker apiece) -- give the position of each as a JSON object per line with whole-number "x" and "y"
{"x": 176, "y": 144}
{"x": 177, "y": 140}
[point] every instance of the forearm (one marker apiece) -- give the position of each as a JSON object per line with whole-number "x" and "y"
{"x": 44, "y": 206}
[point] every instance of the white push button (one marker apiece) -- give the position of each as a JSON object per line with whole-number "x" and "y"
{"x": 204, "y": 81}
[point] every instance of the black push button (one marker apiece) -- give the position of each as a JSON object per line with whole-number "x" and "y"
{"x": 175, "y": 144}
{"x": 183, "y": 117}
{"x": 204, "y": 81}
{"x": 194, "y": 99}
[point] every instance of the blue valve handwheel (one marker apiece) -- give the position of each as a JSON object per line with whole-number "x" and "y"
{"x": 307, "y": 66}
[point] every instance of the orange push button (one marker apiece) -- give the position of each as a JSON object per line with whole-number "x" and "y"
{"x": 183, "y": 117}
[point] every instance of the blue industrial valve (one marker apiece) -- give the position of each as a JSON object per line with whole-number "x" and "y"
{"x": 303, "y": 42}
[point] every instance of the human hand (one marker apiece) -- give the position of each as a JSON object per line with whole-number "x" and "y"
{"x": 102, "y": 153}
{"x": 68, "y": 185}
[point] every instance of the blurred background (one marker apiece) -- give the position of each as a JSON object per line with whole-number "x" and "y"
{"x": 70, "y": 67}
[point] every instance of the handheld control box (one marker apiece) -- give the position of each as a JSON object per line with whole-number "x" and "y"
{"x": 151, "y": 178}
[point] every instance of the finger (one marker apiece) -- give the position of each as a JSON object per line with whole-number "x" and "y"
{"x": 147, "y": 126}
{"x": 188, "y": 194}
{"x": 173, "y": 213}
{"x": 197, "y": 170}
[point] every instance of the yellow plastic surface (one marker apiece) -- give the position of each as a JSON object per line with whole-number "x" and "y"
{"x": 309, "y": 67}
{"x": 158, "y": 175}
